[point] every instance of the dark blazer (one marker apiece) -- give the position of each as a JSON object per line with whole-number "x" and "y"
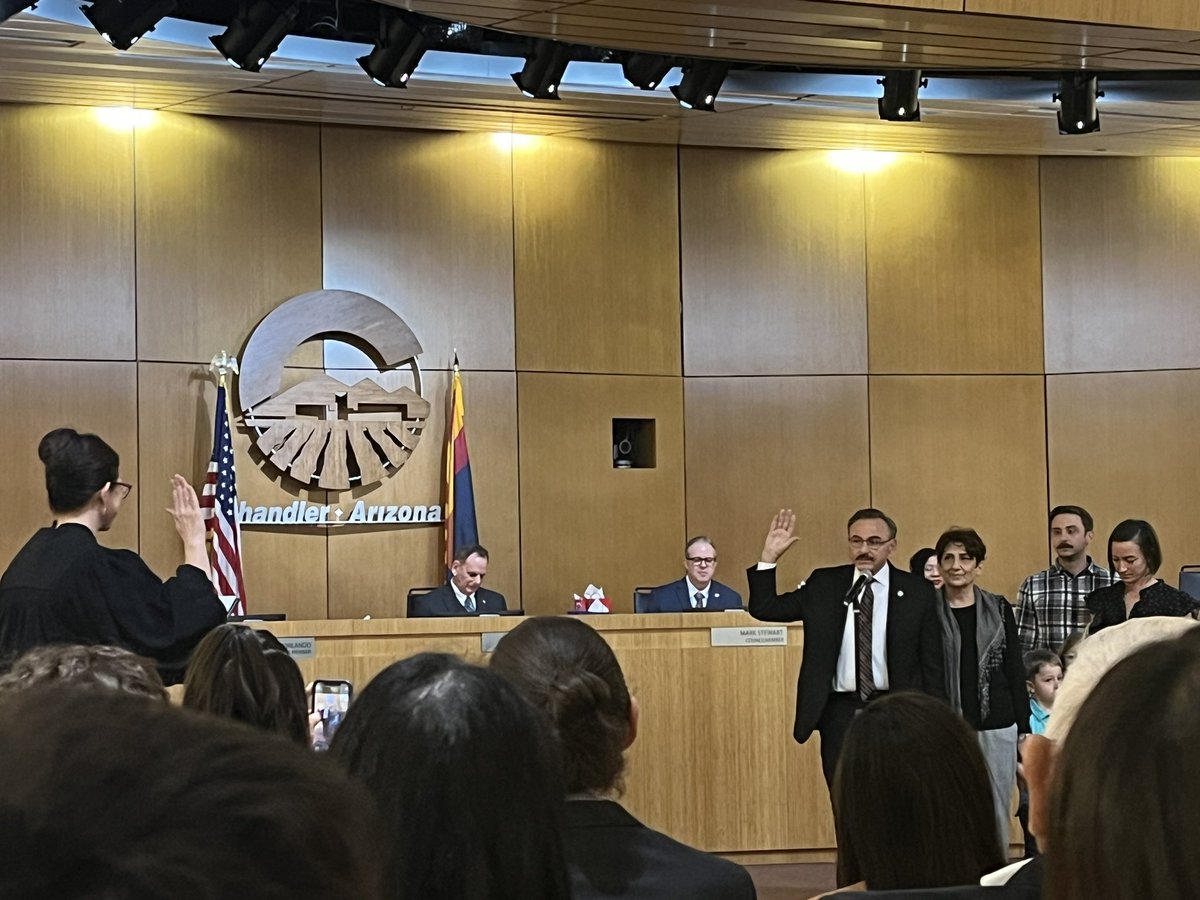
{"x": 442, "y": 602}
{"x": 914, "y": 644}
{"x": 675, "y": 597}
{"x": 611, "y": 854}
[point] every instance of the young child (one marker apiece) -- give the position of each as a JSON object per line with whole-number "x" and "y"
{"x": 1043, "y": 675}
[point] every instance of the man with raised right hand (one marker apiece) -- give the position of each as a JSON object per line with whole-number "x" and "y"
{"x": 868, "y": 628}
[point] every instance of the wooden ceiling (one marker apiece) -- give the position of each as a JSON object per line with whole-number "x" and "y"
{"x": 44, "y": 61}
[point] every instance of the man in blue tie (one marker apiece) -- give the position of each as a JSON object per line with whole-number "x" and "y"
{"x": 696, "y": 591}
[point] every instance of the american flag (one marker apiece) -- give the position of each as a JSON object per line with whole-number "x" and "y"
{"x": 219, "y": 504}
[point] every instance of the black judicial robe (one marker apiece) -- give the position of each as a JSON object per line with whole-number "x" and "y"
{"x": 64, "y": 588}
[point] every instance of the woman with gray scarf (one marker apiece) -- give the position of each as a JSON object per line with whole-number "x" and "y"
{"x": 985, "y": 677}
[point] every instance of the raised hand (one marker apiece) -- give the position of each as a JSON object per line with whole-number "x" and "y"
{"x": 189, "y": 523}
{"x": 781, "y": 536}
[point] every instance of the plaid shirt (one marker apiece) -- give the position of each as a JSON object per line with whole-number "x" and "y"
{"x": 1050, "y": 604}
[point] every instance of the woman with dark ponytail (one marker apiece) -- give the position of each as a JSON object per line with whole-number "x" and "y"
{"x": 64, "y": 588}
{"x": 567, "y": 670}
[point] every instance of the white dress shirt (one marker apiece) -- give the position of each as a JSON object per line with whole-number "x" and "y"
{"x": 845, "y": 677}
{"x": 693, "y": 590}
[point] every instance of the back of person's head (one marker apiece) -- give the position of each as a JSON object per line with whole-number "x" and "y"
{"x": 77, "y": 465}
{"x": 566, "y": 669}
{"x": 466, "y": 779}
{"x": 912, "y": 800}
{"x": 103, "y": 795}
{"x": 246, "y": 674}
{"x": 96, "y": 667}
{"x": 1142, "y": 533}
{"x": 1126, "y": 797}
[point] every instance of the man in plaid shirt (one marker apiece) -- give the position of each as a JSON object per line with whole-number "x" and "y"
{"x": 1050, "y": 603}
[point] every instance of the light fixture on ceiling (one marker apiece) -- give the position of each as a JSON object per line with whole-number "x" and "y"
{"x": 545, "y": 65}
{"x": 255, "y": 33}
{"x": 1076, "y": 98}
{"x": 644, "y": 70}
{"x": 702, "y": 80}
{"x": 899, "y": 102}
{"x": 123, "y": 22}
{"x": 397, "y": 53}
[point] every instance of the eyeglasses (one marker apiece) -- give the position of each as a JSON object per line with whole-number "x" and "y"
{"x": 874, "y": 543}
{"x": 702, "y": 560}
{"x": 121, "y": 489}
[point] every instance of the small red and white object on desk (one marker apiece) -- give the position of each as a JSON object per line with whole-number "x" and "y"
{"x": 592, "y": 601}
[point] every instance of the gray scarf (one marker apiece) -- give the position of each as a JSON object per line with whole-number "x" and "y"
{"x": 989, "y": 639}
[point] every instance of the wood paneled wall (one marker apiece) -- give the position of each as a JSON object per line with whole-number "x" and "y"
{"x": 961, "y": 340}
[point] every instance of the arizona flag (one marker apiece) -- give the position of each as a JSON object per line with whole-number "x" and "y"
{"x": 461, "y": 529}
{"x": 218, "y": 505}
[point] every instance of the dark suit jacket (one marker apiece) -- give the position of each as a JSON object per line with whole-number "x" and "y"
{"x": 675, "y": 597}
{"x": 442, "y": 602}
{"x": 914, "y": 644}
{"x": 611, "y": 854}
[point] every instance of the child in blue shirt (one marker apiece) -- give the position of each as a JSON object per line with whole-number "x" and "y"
{"x": 1043, "y": 675}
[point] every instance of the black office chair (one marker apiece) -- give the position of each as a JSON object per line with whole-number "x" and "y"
{"x": 1189, "y": 581}
{"x": 641, "y": 597}
{"x": 416, "y": 592}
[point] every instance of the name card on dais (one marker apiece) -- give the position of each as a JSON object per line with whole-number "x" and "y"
{"x": 754, "y": 636}
{"x": 300, "y": 647}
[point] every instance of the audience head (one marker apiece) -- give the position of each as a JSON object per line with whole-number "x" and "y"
{"x": 245, "y": 674}
{"x": 1069, "y": 649}
{"x": 1097, "y": 654}
{"x": 1126, "y": 797}
{"x": 106, "y": 795}
{"x": 700, "y": 560}
{"x": 1133, "y": 550}
{"x": 1071, "y": 531}
{"x": 872, "y": 537}
{"x": 924, "y": 564}
{"x": 464, "y": 773}
{"x": 912, "y": 799}
{"x": 469, "y": 568}
{"x": 1043, "y": 675}
{"x": 82, "y": 470}
{"x": 567, "y": 670}
{"x": 96, "y": 667}
{"x": 960, "y": 554}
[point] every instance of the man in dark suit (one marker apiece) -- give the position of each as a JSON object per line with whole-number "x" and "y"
{"x": 462, "y": 595}
{"x": 868, "y": 628}
{"x": 696, "y": 591}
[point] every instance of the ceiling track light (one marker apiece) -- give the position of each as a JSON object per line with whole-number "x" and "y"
{"x": 899, "y": 102}
{"x": 255, "y": 33}
{"x": 1076, "y": 98}
{"x": 702, "y": 80}
{"x": 397, "y": 54}
{"x": 644, "y": 70}
{"x": 544, "y": 68}
{"x": 123, "y": 22}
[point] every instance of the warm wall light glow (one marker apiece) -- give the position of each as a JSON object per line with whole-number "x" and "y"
{"x": 124, "y": 118}
{"x": 861, "y": 161}
{"x": 507, "y": 140}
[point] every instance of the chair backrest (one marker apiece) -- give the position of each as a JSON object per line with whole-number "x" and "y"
{"x": 1189, "y": 581}
{"x": 413, "y": 593}
{"x": 641, "y": 597}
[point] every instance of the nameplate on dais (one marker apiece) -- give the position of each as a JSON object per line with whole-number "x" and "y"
{"x": 760, "y": 636}
{"x": 300, "y": 647}
{"x": 489, "y": 639}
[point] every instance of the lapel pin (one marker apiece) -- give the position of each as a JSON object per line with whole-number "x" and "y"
{"x": 899, "y": 593}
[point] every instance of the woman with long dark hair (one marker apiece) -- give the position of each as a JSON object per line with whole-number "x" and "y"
{"x": 64, "y": 588}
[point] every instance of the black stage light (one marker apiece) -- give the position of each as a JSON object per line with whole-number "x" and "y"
{"x": 644, "y": 70}
{"x": 396, "y": 55}
{"x": 899, "y": 102}
{"x": 1077, "y": 96}
{"x": 123, "y": 22}
{"x": 702, "y": 80}
{"x": 255, "y": 33}
{"x": 543, "y": 69}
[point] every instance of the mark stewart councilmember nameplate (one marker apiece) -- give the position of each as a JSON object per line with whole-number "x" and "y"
{"x": 765, "y": 636}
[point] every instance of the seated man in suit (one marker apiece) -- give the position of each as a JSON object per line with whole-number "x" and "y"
{"x": 696, "y": 591}
{"x": 462, "y": 595}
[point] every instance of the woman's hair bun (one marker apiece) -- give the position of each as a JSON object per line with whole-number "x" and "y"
{"x": 55, "y": 443}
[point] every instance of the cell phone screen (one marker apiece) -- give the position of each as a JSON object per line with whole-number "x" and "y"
{"x": 331, "y": 699}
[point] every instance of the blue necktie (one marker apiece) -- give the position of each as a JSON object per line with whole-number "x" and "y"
{"x": 470, "y": 604}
